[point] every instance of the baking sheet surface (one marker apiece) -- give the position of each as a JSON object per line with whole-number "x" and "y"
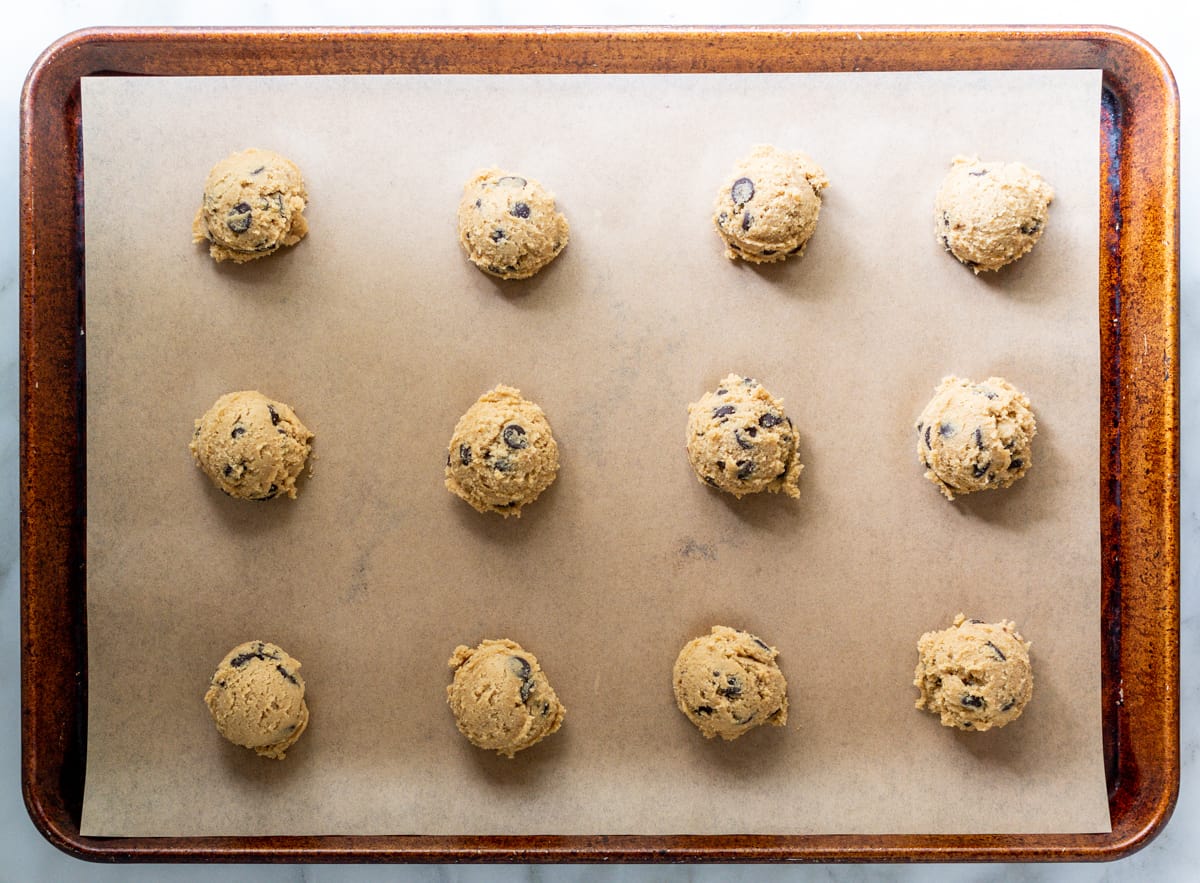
{"x": 380, "y": 334}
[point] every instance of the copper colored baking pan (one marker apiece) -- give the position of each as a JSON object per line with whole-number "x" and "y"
{"x": 1139, "y": 389}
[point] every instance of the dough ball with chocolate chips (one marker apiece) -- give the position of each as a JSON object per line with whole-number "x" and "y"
{"x": 500, "y": 697}
{"x": 509, "y": 225}
{"x": 740, "y": 441}
{"x": 975, "y": 436}
{"x": 253, "y": 204}
{"x": 502, "y": 454}
{"x": 256, "y": 699}
{"x": 989, "y": 214}
{"x": 767, "y": 209}
{"x": 728, "y": 682}
{"x": 252, "y": 447}
{"x": 975, "y": 674}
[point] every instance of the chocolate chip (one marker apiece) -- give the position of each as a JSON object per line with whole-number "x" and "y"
{"x": 766, "y": 421}
{"x": 269, "y": 495}
{"x": 745, "y": 469}
{"x": 722, "y": 392}
{"x": 742, "y": 443}
{"x": 258, "y": 171}
{"x": 752, "y": 431}
{"x": 761, "y": 643}
{"x": 971, "y": 701}
{"x": 946, "y": 243}
{"x": 927, "y": 443}
{"x": 721, "y": 465}
{"x": 1032, "y": 226}
{"x": 996, "y": 650}
{"x": 735, "y": 246}
{"x": 744, "y": 721}
{"x": 704, "y": 709}
{"x": 287, "y": 674}
{"x": 1007, "y": 706}
{"x": 239, "y": 218}
{"x": 945, "y": 430}
{"x": 731, "y": 688}
{"x": 514, "y": 437}
{"x": 228, "y": 469}
{"x": 238, "y": 432}
{"x": 742, "y": 191}
{"x": 710, "y": 480}
{"x": 478, "y": 203}
{"x": 520, "y": 667}
{"x": 511, "y": 181}
{"x": 464, "y": 454}
{"x": 722, "y": 218}
{"x": 723, "y": 410}
{"x": 497, "y": 235}
{"x": 274, "y": 415}
{"x": 502, "y": 466}
{"x": 767, "y": 252}
{"x": 945, "y": 220}
{"x": 797, "y": 249}
{"x": 979, "y": 471}
{"x": 545, "y": 708}
{"x": 747, "y": 220}
{"x": 241, "y": 659}
{"x": 979, "y": 437}
{"x": 519, "y": 210}
{"x": 978, "y": 174}
{"x": 1016, "y": 463}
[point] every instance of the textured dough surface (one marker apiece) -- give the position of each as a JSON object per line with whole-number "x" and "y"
{"x": 975, "y": 436}
{"x": 256, "y": 698}
{"x": 252, "y": 447}
{"x": 253, "y": 204}
{"x": 989, "y": 214}
{"x": 740, "y": 440}
{"x": 768, "y": 206}
{"x": 975, "y": 674}
{"x": 502, "y": 454}
{"x": 500, "y": 697}
{"x": 509, "y": 225}
{"x": 728, "y": 682}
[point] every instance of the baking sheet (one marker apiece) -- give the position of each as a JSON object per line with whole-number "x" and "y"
{"x": 380, "y": 334}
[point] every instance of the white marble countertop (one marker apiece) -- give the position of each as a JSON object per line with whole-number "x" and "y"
{"x": 1173, "y": 855}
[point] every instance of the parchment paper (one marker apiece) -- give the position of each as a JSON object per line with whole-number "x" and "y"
{"x": 380, "y": 334}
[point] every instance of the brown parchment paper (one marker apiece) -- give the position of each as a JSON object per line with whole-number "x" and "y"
{"x": 380, "y": 334}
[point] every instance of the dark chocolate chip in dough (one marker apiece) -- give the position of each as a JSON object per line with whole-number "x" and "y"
{"x": 519, "y": 210}
{"x": 514, "y": 436}
{"x": 766, "y": 421}
{"x": 742, "y": 191}
{"x": 274, "y": 415}
{"x": 747, "y": 220}
{"x": 464, "y": 454}
{"x": 237, "y": 432}
{"x": 972, "y": 701}
{"x": 497, "y": 235}
{"x": 239, "y": 218}
{"x": 723, "y": 410}
{"x": 511, "y": 181}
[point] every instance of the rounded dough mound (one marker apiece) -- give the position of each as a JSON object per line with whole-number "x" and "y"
{"x": 256, "y": 699}
{"x": 975, "y": 674}
{"x": 500, "y": 697}
{"x": 252, "y": 447}
{"x": 740, "y": 441}
{"x": 989, "y": 214}
{"x": 502, "y": 454}
{"x": 253, "y": 204}
{"x": 975, "y": 436}
{"x": 767, "y": 209}
{"x": 728, "y": 682}
{"x": 509, "y": 225}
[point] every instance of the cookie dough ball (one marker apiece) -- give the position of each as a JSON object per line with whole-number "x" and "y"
{"x": 252, "y": 206}
{"x": 256, "y": 699}
{"x": 251, "y": 447}
{"x": 728, "y": 682}
{"x": 500, "y": 697}
{"x": 989, "y": 214}
{"x": 975, "y": 436}
{"x": 740, "y": 441}
{"x": 502, "y": 454}
{"x": 509, "y": 225}
{"x": 768, "y": 207}
{"x": 975, "y": 674}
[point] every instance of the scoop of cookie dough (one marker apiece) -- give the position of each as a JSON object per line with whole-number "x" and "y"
{"x": 509, "y": 225}
{"x": 728, "y": 682}
{"x": 256, "y": 699}
{"x": 252, "y": 206}
{"x": 502, "y": 454}
{"x": 740, "y": 441}
{"x": 975, "y": 436}
{"x": 989, "y": 214}
{"x": 767, "y": 209}
{"x": 975, "y": 674}
{"x": 251, "y": 447}
{"x": 500, "y": 697}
